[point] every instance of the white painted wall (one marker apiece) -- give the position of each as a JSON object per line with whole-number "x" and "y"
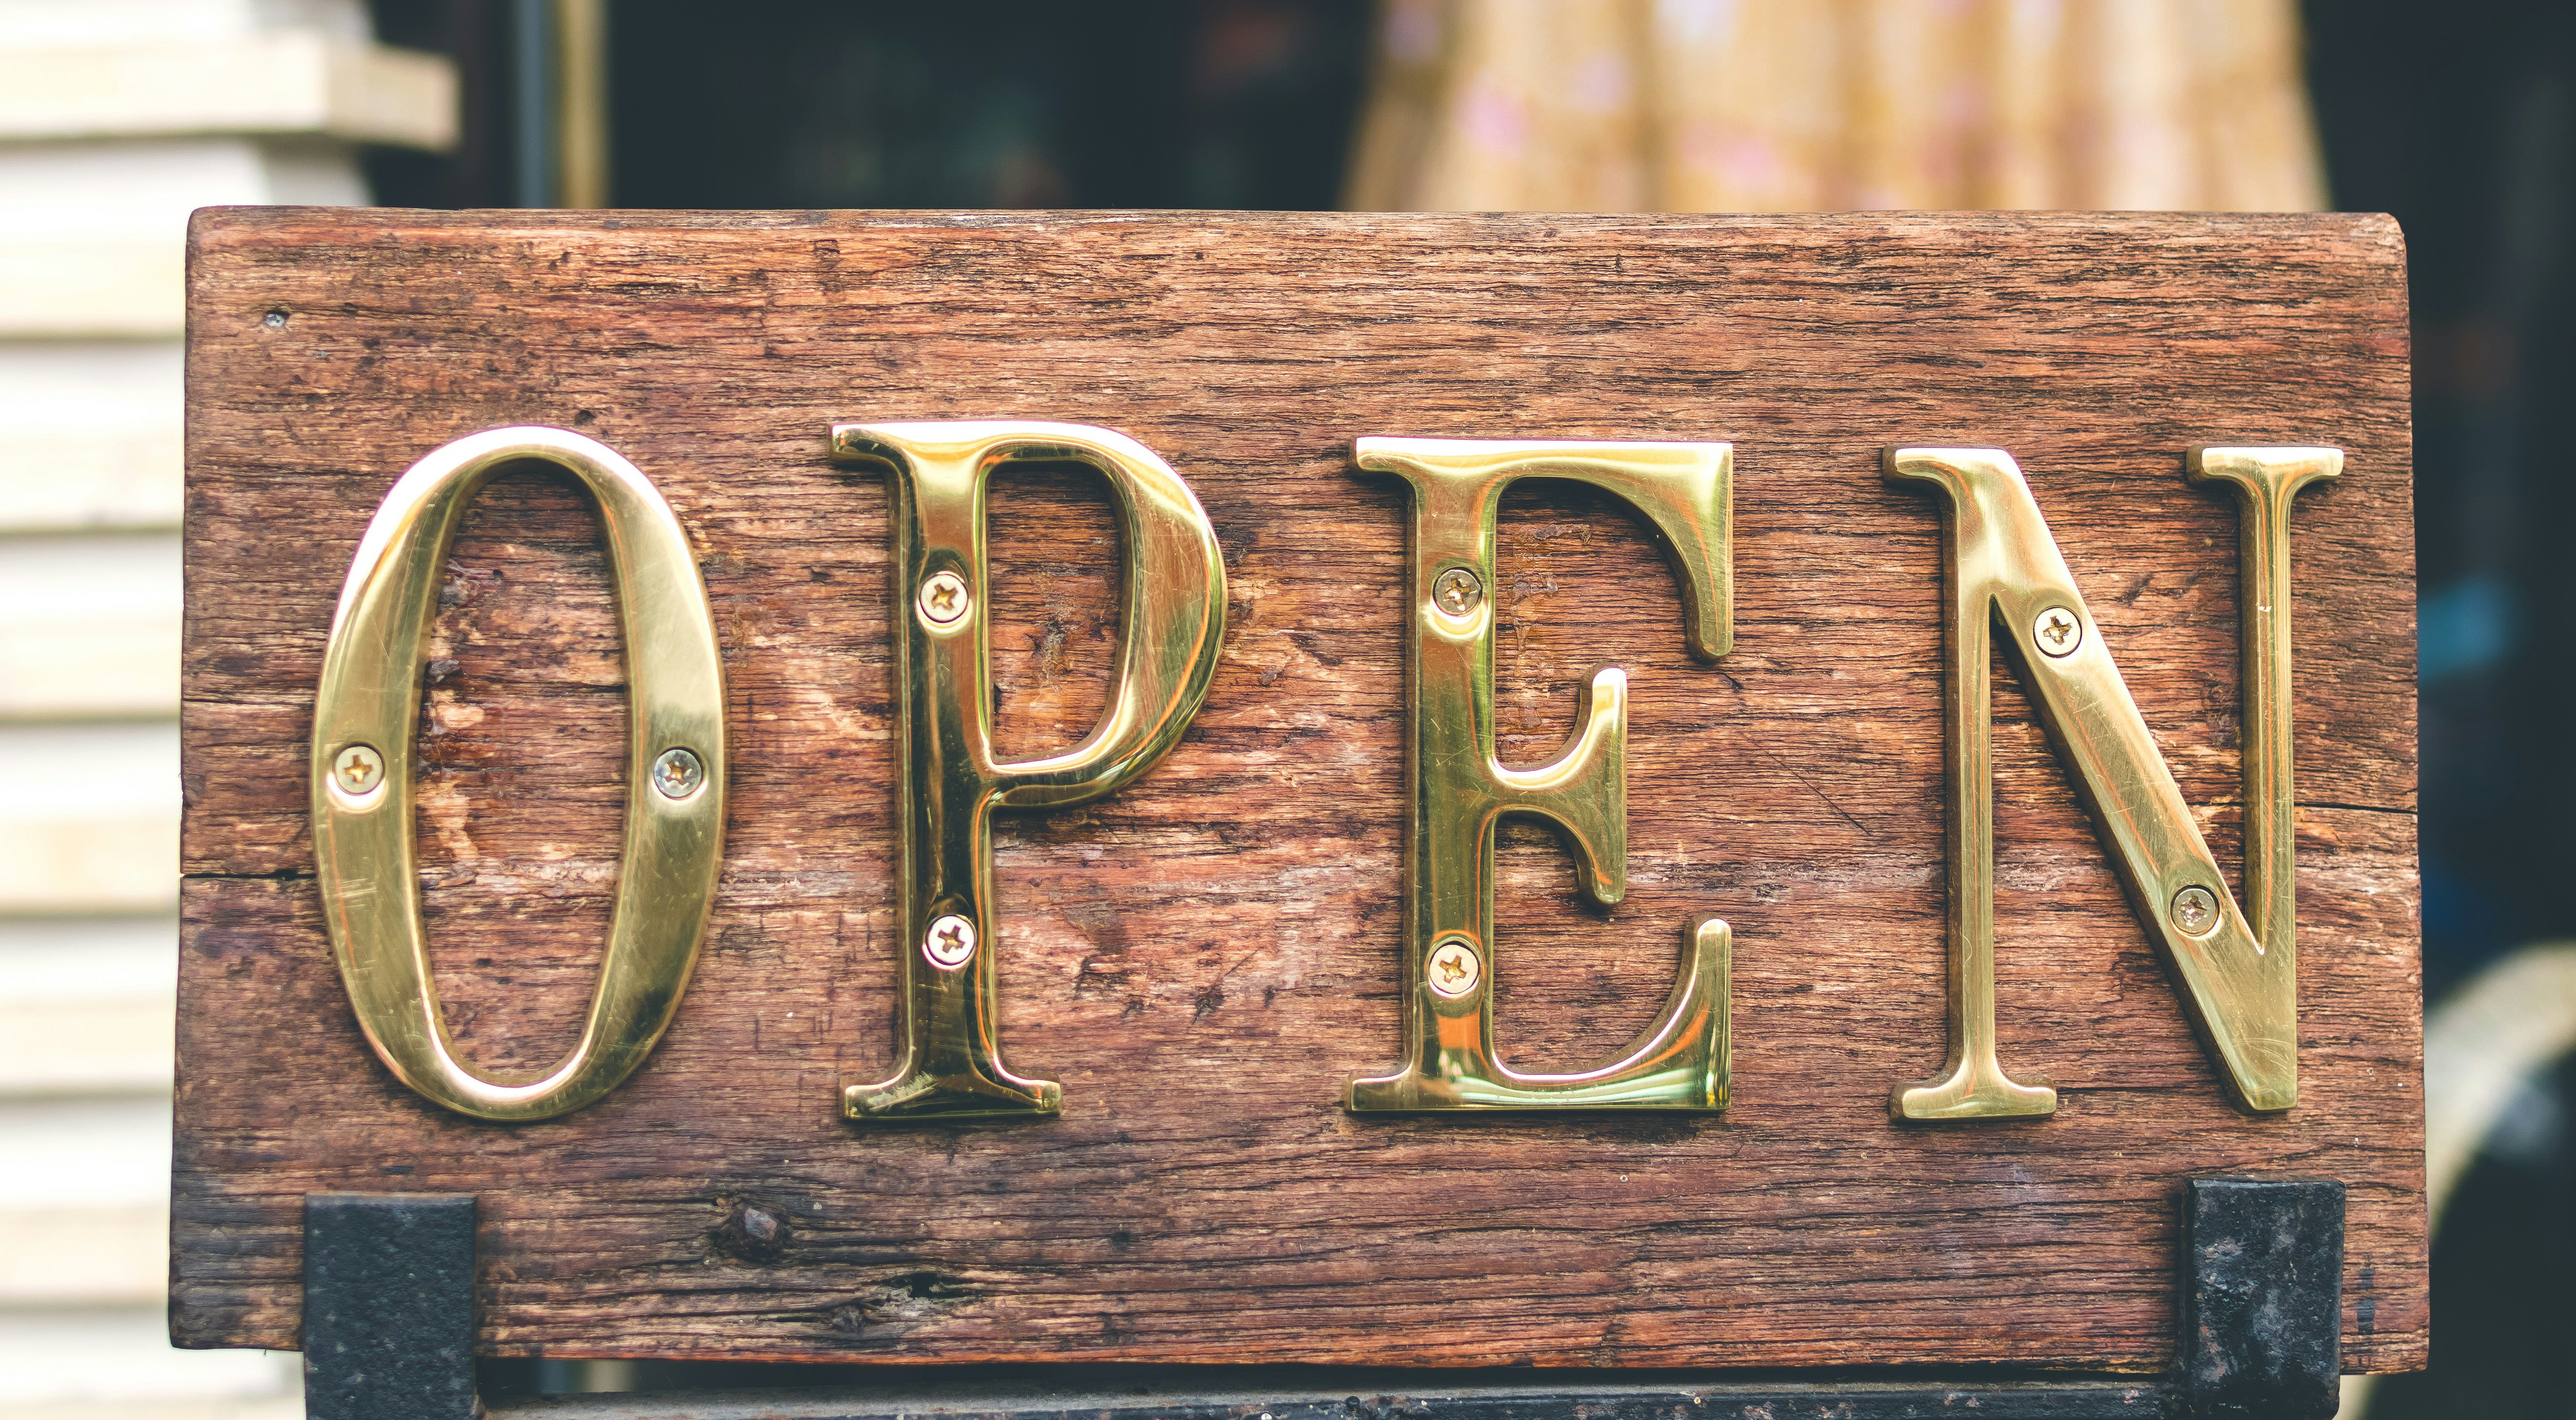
{"x": 117, "y": 119}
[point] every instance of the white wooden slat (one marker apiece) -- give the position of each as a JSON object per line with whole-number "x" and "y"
{"x": 89, "y": 822}
{"x": 83, "y": 1257}
{"x": 87, "y": 1007}
{"x": 66, "y": 1357}
{"x": 89, "y": 626}
{"x": 89, "y": 435}
{"x": 276, "y": 82}
{"x": 92, "y": 24}
{"x": 282, "y": 1407}
{"x": 86, "y": 1047}
{"x": 80, "y": 191}
{"x": 117, "y": 286}
{"x": 107, "y": 479}
{"x": 107, "y": 1152}
{"x": 88, "y": 959}
{"x": 93, "y": 234}
{"x": 95, "y": 864}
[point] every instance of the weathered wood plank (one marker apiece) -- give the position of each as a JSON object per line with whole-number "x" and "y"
{"x": 1206, "y": 956}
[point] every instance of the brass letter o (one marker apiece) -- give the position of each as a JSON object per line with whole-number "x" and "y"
{"x": 367, "y": 716}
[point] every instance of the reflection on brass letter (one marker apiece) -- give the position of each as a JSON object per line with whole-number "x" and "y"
{"x": 1460, "y": 789}
{"x": 2239, "y": 977}
{"x": 951, "y": 1062}
{"x": 368, "y": 711}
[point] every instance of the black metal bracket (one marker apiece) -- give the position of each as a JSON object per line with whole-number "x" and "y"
{"x": 389, "y": 1323}
{"x": 2262, "y": 1298}
{"x": 389, "y": 1306}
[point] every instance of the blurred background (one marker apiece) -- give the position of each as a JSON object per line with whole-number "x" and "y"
{"x": 118, "y": 117}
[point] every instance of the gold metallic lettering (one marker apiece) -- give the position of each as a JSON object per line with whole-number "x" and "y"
{"x": 2239, "y": 977}
{"x": 1460, "y": 790}
{"x": 367, "y": 714}
{"x": 951, "y": 1063}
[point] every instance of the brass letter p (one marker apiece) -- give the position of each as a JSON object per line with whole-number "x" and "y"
{"x": 1174, "y": 617}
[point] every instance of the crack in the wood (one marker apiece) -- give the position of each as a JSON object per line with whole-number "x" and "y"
{"x": 1829, "y": 803}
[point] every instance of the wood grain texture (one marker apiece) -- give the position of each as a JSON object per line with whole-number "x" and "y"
{"x": 1205, "y": 957}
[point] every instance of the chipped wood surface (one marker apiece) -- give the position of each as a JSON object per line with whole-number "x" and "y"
{"x": 1205, "y": 957}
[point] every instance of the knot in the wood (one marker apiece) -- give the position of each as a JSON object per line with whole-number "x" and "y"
{"x": 751, "y": 1234}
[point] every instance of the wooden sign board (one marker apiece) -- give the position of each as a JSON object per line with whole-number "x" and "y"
{"x": 1205, "y": 958}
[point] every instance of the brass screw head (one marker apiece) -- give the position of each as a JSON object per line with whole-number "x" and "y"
{"x": 2195, "y": 911}
{"x": 950, "y": 941}
{"x": 1454, "y": 968}
{"x": 944, "y": 599}
{"x": 678, "y": 773}
{"x": 1457, "y": 591}
{"x": 2058, "y": 631}
{"x": 358, "y": 769}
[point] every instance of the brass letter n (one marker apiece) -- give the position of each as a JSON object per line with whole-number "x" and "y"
{"x": 2238, "y": 971}
{"x": 1460, "y": 789}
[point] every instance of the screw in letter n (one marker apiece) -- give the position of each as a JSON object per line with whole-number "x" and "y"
{"x": 2238, "y": 969}
{"x": 1460, "y": 789}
